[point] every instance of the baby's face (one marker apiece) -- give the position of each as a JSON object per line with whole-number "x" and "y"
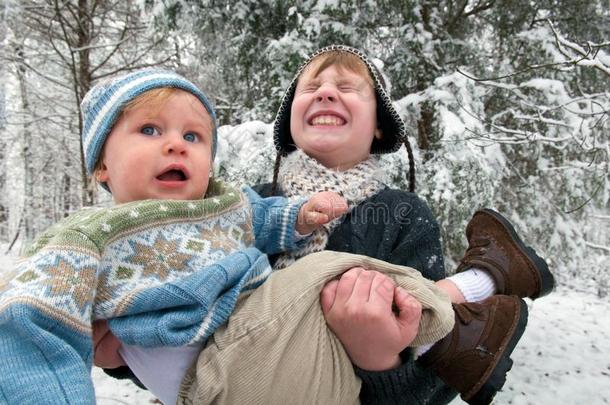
{"x": 334, "y": 116}
{"x": 159, "y": 153}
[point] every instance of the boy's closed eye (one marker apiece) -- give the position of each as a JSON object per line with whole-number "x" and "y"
{"x": 309, "y": 86}
{"x": 341, "y": 85}
{"x": 350, "y": 85}
{"x": 347, "y": 87}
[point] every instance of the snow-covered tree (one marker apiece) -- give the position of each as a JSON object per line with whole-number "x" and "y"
{"x": 506, "y": 101}
{"x": 54, "y": 52}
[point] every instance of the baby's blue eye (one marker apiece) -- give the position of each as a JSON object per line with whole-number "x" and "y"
{"x": 190, "y": 137}
{"x": 149, "y": 130}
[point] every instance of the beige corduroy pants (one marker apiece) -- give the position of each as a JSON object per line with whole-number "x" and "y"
{"x": 277, "y": 349}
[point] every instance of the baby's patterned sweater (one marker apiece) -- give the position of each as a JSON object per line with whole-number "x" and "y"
{"x": 163, "y": 272}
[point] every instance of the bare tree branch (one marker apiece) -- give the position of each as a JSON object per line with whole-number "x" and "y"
{"x": 568, "y": 48}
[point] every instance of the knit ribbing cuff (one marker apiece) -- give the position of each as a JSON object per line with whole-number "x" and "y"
{"x": 410, "y": 383}
{"x": 389, "y": 383}
{"x": 288, "y": 237}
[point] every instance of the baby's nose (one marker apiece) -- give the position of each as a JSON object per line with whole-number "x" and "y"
{"x": 175, "y": 144}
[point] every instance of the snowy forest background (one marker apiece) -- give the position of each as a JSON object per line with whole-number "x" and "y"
{"x": 507, "y": 102}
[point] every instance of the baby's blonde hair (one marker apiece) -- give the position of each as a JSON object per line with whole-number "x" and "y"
{"x": 154, "y": 99}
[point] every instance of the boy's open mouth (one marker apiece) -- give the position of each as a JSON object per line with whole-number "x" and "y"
{"x": 173, "y": 174}
{"x": 327, "y": 119}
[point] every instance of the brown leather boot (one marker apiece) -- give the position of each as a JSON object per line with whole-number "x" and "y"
{"x": 475, "y": 357}
{"x": 493, "y": 245}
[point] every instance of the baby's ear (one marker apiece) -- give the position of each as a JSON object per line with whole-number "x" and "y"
{"x": 101, "y": 173}
{"x": 378, "y": 133}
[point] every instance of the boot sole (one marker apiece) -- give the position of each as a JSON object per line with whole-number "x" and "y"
{"x": 547, "y": 281}
{"x": 496, "y": 380}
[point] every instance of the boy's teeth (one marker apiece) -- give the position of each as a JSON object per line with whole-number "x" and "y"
{"x": 327, "y": 120}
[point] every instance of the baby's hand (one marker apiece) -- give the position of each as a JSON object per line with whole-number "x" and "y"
{"x": 358, "y": 309}
{"x": 105, "y": 346}
{"x": 321, "y": 208}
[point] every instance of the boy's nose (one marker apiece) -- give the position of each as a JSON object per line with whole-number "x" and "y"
{"x": 326, "y": 92}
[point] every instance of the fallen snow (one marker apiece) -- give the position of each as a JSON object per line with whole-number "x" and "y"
{"x": 564, "y": 354}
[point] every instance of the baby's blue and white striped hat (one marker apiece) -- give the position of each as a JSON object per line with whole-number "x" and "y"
{"x": 103, "y": 104}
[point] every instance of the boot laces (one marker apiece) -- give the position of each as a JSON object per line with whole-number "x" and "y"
{"x": 476, "y": 248}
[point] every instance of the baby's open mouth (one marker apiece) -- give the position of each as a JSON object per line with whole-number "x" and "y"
{"x": 172, "y": 175}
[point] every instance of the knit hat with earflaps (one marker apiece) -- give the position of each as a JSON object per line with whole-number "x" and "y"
{"x": 392, "y": 126}
{"x": 103, "y": 104}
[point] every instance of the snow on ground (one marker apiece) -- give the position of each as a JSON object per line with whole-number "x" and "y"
{"x": 562, "y": 358}
{"x": 564, "y": 354}
{"x": 115, "y": 392}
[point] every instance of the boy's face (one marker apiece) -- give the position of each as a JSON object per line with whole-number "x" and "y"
{"x": 334, "y": 116}
{"x": 163, "y": 153}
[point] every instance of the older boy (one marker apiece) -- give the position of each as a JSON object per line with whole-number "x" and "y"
{"x": 335, "y": 117}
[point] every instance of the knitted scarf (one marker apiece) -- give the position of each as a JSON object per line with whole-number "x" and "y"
{"x": 302, "y": 176}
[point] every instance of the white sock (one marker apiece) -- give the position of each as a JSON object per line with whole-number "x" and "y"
{"x": 419, "y": 350}
{"x": 475, "y": 284}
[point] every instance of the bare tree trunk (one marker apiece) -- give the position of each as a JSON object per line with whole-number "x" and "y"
{"x": 71, "y": 44}
{"x": 10, "y": 246}
{"x": 425, "y": 130}
{"x": 28, "y": 193}
{"x": 83, "y": 84}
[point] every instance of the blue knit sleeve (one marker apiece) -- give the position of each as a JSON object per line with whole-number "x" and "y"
{"x": 274, "y": 220}
{"x": 188, "y": 310}
{"x": 45, "y": 332}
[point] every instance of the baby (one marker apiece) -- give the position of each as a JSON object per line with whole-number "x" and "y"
{"x": 164, "y": 265}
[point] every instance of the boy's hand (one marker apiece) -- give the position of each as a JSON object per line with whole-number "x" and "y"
{"x": 358, "y": 309}
{"x": 321, "y": 208}
{"x": 105, "y": 347}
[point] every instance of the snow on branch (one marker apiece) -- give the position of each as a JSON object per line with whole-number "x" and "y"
{"x": 578, "y": 55}
{"x": 596, "y": 246}
{"x": 591, "y": 55}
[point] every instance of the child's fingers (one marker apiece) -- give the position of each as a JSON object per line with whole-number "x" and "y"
{"x": 329, "y": 203}
{"x": 382, "y": 290}
{"x": 346, "y": 284}
{"x": 363, "y": 284}
{"x": 335, "y": 207}
{"x": 409, "y": 309}
{"x": 315, "y": 218}
{"x": 328, "y": 295}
